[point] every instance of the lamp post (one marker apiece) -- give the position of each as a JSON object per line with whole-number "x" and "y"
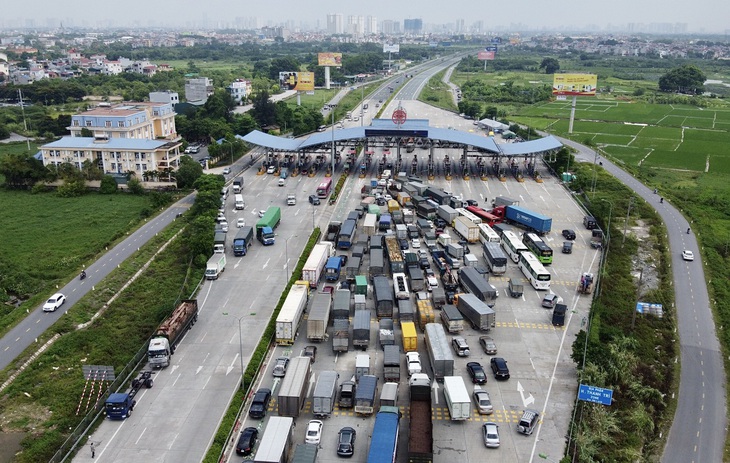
{"x": 362, "y": 103}
{"x": 608, "y": 231}
{"x": 240, "y": 348}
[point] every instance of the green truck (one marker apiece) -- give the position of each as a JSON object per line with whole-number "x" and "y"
{"x": 267, "y": 224}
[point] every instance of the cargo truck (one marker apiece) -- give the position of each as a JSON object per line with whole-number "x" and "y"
{"x": 391, "y": 363}
{"x": 346, "y": 237}
{"x": 515, "y": 287}
{"x": 418, "y": 282}
{"x": 119, "y": 405}
{"x": 440, "y": 196}
{"x": 457, "y": 398}
{"x": 447, "y": 213}
{"x": 219, "y": 243}
{"x": 377, "y": 263}
{"x": 237, "y": 185}
{"x": 242, "y": 241}
{"x": 362, "y": 365}
{"x": 267, "y": 224}
{"x": 397, "y": 265}
{"x": 325, "y": 394}
{"x": 361, "y": 329}
{"x": 420, "y": 437}
{"x": 474, "y": 282}
{"x": 333, "y": 229}
{"x": 305, "y": 453}
{"x": 452, "y": 319}
{"x": 401, "y": 231}
{"x": 293, "y": 390}
{"x": 319, "y": 317}
{"x": 314, "y": 265}
{"x": 386, "y": 335}
{"x": 352, "y": 268}
{"x": 438, "y": 295}
{"x": 367, "y": 388}
{"x": 530, "y": 220}
{"x": 170, "y": 333}
{"x": 504, "y": 201}
{"x": 370, "y": 224}
{"x": 287, "y": 322}
{"x": 426, "y": 210}
{"x": 215, "y": 266}
{"x": 406, "y": 310}
{"x": 341, "y": 335}
{"x": 425, "y": 311}
{"x": 479, "y": 314}
{"x": 275, "y": 443}
{"x": 347, "y": 393}
{"x": 410, "y": 337}
{"x": 384, "y": 440}
{"x": 333, "y": 268}
{"x": 439, "y": 351}
{"x": 383, "y": 295}
{"x": 341, "y": 304}
{"x": 466, "y": 229}
{"x": 385, "y": 222}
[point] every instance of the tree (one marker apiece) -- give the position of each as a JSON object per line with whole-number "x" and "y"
{"x": 188, "y": 172}
{"x": 108, "y": 185}
{"x": 21, "y": 170}
{"x": 551, "y": 65}
{"x": 86, "y": 132}
{"x": 684, "y": 79}
{"x": 135, "y": 186}
{"x": 264, "y": 111}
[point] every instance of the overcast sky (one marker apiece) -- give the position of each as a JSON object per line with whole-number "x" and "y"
{"x": 710, "y": 16}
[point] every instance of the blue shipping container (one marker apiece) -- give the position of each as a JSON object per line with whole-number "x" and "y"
{"x": 528, "y": 219}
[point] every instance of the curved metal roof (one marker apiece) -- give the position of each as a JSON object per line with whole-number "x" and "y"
{"x": 412, "y": 128}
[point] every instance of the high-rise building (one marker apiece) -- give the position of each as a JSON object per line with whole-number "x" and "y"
{"x": 412, "y": 26}
{"x": 371, "y": 25}
{"x": 335, "y": 24}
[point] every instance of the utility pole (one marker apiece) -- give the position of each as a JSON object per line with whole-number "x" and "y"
{"x": 626, "y": 224}
{"x": 638, "y": 294}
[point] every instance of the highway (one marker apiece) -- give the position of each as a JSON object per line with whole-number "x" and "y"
{"x": 700, "y": 423}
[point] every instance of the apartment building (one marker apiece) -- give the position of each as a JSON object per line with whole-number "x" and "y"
{"x": 137, "y": 120}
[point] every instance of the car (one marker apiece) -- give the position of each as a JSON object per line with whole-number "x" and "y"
{"x": 688, "y": 255}
{"x": 440, "y": 223}
{"x": 528, "y": 421}
{"x": 346, "y": 442}
{"x": 224, "y": 226}
{"x": 432, "y": 282}
{"x": 413, "y": 360}
{"x": 54, "y": 302}
{"x": 262, "y": 212}
{"x": 490, "y": 431}
{"x": 314, "y": 200}
{"x": 281, "y": 182}
{"x": 403, "y": 244}
{"x": 423, "y": 262}
{"x": 488, "y": 344}
{"x": 260, "y": 403}
{"x": 551, "y": 300}
{"x": 226, "y": 170}
{"x": 569, "y": 234}
{"x": 416, "y": 243}
{"x": 247, "y": 441}
{"x": 499, "y": 368}
{"x": 472, "y": 202}
{"x": 311, "y": 352}
{"x": 280, "y": 366}
{"x": 460, "y": 346}
{"x": 221, "y": 217}
{"x": 476, "y": 372}
{"x": 314, "y": 432}
{"x": 482, "y": 401}
{"x": 271, "y": 170}
{"x": 240, "y": 223}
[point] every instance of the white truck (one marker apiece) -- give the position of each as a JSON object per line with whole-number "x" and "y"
{"x": 467, "y": 229}
{"x": 215, "y": 266}
{"x": 325, "y": 394}
{"x": 312, "y": 270}
{"x": 240, "y": 203}
{"x": 290, "y": 315}
{"x": 457, "y": 398}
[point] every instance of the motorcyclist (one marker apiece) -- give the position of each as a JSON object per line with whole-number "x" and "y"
{"x": 661, "y": 200}
{"x": 83, "y": 274}
{"x": 688, "y": 231}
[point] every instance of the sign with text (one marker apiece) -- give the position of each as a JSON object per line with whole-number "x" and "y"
{"x": 329, "y": 59}
{"x": 597, "y": 395}
{"x": 575, "y": 84}
{"x": 299, "y": 81}
{"x": 485, "y": 55}
{"x": 387, "y": 48}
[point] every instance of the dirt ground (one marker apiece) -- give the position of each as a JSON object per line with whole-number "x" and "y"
{"x": 9, "y": 445}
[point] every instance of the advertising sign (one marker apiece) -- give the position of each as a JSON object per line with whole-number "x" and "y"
{"x": 575, "y": 84}
{"x": 330, "y": 59}
{"x": 650, "y": 308}
{"x": 300, "y": 81}
{"x": 485, "y": 55}
{"x": 595, "y": 394}
{"x": 387, "y": 48}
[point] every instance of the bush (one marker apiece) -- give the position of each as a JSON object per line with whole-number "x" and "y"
{"x": 72, "y": 189}
{"x": 135, "y": 187}
{"x": 108, "y": 185}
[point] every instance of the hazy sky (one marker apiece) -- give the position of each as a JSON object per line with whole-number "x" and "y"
{"x": 700, "y": 16}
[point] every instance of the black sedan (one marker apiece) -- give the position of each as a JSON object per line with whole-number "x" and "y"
{"x": 476, "y": 372}
{"x": 346, "y": 442}
{"x": 499, "y": 368}
{"x": 246, "y": 441}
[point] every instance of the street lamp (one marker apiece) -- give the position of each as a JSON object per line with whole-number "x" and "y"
{"x": 608, "y": 227}
{"x": 240, "y": 348}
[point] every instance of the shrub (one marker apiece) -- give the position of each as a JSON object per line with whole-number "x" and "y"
{"x": 135, "y": 187}
{"x": 108, "y": 185}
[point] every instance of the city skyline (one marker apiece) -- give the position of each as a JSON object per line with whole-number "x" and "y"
{"x": 705, "y": 18}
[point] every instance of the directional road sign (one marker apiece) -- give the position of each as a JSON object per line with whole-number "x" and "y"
{"x": 595, "y": 394}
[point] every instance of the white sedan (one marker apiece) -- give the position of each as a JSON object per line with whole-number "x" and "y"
{"x": 240, "y": 223}
{"x": 54, "y": 303}
{"x": 314, "y": 432}
{"x": 416, "y": 243}
{"x": 688, "y": 255}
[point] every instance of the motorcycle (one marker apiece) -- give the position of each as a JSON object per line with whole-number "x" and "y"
{"x": 82, "y": 276}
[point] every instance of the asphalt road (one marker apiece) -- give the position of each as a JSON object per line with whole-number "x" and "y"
{"x": 700, "y": 422}
{"x": 35, "y": 324}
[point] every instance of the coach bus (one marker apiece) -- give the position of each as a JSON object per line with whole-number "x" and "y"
{"x": 534, "y": 271}
{"x": 537, "y": 246}
{"x": 512, "y": 245}
{"x": 487, "y": 234}
{"x": 324, "y": 188}
{"x": 473, "y": 218}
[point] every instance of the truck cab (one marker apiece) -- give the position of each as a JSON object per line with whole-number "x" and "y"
{"x": 119, "y": 406}
{"x": 265, "y": 235}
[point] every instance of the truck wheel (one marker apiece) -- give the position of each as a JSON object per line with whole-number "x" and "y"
{"x": 129, "y": 412}
{"x": 148, "y": 383}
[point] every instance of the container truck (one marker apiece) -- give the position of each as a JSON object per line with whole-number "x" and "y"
{"x": 341, "y": 335}
{"x": 530, "y": 220}
{"x": 384, "y": 438}
{"x": 474, "y": 282}
{"x": 333, "y": 268}
{"x": 447, "y": 213}
{"x": 237, "y": 185}
{"x": 406, "y": 310}
{"x": 391, "y": 363}
{"x": 242, "y": 241}
{"x": 267, "y": 224}
{"x": 452, "y": 319}
{"x": 479, "y": 314}
{"x": 504, "y": 201}
{"x": 466, "y": 229}
{"x": 215, "y": 266}
{"x": 470, "y": 260}
{"x": 439, "y": 351}
{"x": 397, "y": 265}
{"x": 425, "y": 311}
{"x": 276, "y": 441}
{"x": 386, "y": 336}
{"x": 293, "y": 390}
{"x": 219, "y": 242}
{"x": 119, "y": 405}
{"x": 287, "y": 322}
{"x": 361, "y": 329}
{"x": 457, "y": 398}
{"x": 455, "y": 250}
{"x": 319, "y": 317}
{"x": 420, "y": 437}
{"x": 410, "y": 337}
{"x": 341, "y": 304}
{"x": 370, "y": 224}
{"x": 170, "y": 333}
{"x": 325, "y": 394}
{"x": 313, "y": 267}
{"x": 367, "y": 388}
{"x": 383, "y": 292}
{"x": 440, "y": 196}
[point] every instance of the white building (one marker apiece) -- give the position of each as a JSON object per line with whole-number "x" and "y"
{"x": 239, "y": 90}
{"x": 167, "y": 96}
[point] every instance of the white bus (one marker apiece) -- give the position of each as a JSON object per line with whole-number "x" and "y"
{"x": 400, "y": 285}
{"x": 469, "y": 215}
{"x": 534, "y": 271}
{"x": 512, "y": 245}
{"x": 487, "y": 234}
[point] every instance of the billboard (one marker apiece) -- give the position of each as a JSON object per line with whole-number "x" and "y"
{"x": 575, "y": 84}
{"x": 485, "y": 55}
{"x": 387, "y": 48}
{"x": 330, "y": 59}
{"x": 300, "y": 81}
